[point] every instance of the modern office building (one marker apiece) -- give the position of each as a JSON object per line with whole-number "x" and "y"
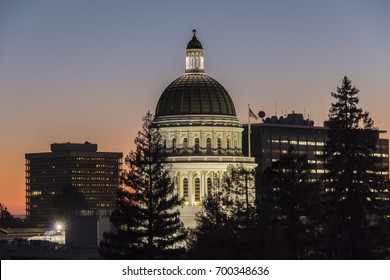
{"x": 202, "y": 135}
{"x": 95, "y": 174}
{"x": 273, "y": 137}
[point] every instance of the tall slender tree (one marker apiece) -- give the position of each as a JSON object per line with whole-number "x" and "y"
{"x": 288, "y": 205}
{"x": 354, "y": 202}
{"x": 147, "y": 222}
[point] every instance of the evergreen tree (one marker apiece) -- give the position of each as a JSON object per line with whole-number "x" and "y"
{"x": 354, "y": 205}
{"x": 225, "y": 225}
{"x": 7, "y": 220}
{"x": 147, "y": 222}
{"x": 288, "y": 205}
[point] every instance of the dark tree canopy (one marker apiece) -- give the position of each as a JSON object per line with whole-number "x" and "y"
{"x": 69, "y": 200}
{"x": 288, "y": 205}
{"x": 354, "y": 205}
{"x": 6, "y": 219}
{"x": 147, "y": 223}
{"x": 225, "y": 225}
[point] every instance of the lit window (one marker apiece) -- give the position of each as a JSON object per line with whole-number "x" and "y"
{"x": 197, "y": 145}
{"x": 197, "y": 189}
{"x": 208, "y": 145}
{"x": 185, "y": 145}
{"x": 35, "y": 193}
{"x": 185, "y": 188}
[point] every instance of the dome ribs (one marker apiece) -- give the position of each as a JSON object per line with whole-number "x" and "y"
{"x": 196, "y": 94}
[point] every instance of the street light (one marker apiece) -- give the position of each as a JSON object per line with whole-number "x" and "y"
{"x": 58, "y": 227}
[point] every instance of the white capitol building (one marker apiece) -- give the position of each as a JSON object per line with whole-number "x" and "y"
{"x": 200, "y": 130}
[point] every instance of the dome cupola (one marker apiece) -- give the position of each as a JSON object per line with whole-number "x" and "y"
{"x": 195, "y": 92}
{"x": 194, "y": 55}
{"x": 194, "y": 43}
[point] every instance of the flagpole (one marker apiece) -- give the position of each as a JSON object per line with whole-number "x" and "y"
{"x": 249, "y": 131}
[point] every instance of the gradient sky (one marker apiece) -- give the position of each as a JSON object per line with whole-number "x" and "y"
{"x": 80, "y": 70}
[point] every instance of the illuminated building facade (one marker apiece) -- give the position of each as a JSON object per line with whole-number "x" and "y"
{"x": 96, "y": 174}
{"x": 202, "y": 135}
{"x": 273, "y": 137}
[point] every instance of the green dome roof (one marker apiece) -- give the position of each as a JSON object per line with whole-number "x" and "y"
{"x": 195, "y": 94}
{"x": 194, "y": 43}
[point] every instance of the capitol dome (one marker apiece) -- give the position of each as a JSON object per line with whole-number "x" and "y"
{"x": 200, "y": 132}
{"x": 195, "y": 93}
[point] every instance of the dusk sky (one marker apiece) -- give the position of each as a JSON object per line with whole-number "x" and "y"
{"x": 83, "y": 70}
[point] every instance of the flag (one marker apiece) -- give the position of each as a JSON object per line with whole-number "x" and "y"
{"x": 252, "y": 115}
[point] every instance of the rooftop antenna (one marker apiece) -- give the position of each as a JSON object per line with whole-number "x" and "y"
{"x": 261, "y": 115}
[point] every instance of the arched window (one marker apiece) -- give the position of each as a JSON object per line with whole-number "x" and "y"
{"x": 196, "y": 148}
{"x": 197, "y": 189}
{"x": 185, "y": 189}
{"x": 209, "y": 185}
{"x": 185, "y": 145}
{"x": 228, "y": 144}
{"x": 174, "y": 145}
{"x": 219, "y": 145}
{"x": 208, "y": 145}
